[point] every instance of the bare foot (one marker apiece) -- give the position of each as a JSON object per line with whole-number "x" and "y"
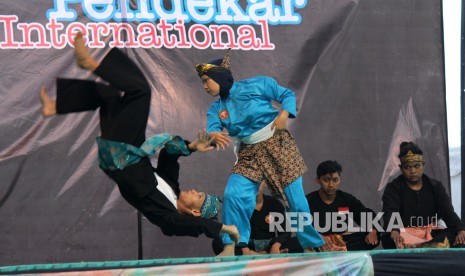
{"x": 83, "y": 58}
{"x": 49, "y": 107}
{"x": 228, "y": 250}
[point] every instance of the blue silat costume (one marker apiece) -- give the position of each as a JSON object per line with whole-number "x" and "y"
{"x": 245, "y": 109}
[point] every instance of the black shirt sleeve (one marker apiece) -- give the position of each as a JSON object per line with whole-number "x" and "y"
{"x": 391, "y": 203}
{"x": 176, "y": 224}
{"x": 168, "y": 165}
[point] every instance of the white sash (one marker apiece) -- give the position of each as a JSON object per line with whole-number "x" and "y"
{"x": 258, "y": 136}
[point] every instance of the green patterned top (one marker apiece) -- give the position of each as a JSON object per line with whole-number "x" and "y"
{"x": 117, "y": 155}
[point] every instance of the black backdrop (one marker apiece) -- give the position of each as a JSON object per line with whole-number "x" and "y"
{"x": 367, "y": 75}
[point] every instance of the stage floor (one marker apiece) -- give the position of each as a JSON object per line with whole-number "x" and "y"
{"x": 376, "y": 262}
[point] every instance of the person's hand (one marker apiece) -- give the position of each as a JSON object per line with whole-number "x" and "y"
{"x": 460, "y": 238}
{"x": 281, "y": 120}
{"x": 275, "y": 248}
{"x": 397, "y": 238}
{"x": 221, "y": 139}
{"x": 202, "y": 143}
{"x": 372, "y": 237}
{"x": 232, "y": 231}
{"x": 328, "y": 246}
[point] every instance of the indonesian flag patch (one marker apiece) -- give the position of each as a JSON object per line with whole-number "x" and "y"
{"x": 343, "y": 210}
{"x": 224, "y": 114}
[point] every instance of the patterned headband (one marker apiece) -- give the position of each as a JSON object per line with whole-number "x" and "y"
{"x": 210, "y": 206}
{"x": 225, "y": 65}
{"x": 411, "y": 157}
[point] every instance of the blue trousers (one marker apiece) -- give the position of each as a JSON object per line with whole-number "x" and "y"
{"x": 239, "y": 204}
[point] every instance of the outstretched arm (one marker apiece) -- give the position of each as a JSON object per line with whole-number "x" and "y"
{"x": 184, "y": 225}
{"x": 203, "y": 142}
{"x": 220, "y": 139}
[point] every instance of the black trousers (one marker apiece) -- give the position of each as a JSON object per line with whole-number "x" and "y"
{"x": 356, "y": 241}
{"x": 124, "y": 105}
{"x": 123, "y": 118}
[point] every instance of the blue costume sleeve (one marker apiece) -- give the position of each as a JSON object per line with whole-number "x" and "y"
{"x": 213, "y": 120}
{"x": 281, "y": 94}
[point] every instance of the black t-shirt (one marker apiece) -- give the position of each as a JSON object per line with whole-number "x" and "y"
{"x": 344, "y": 203}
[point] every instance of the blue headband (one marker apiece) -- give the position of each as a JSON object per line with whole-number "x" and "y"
{"x": 210, "y": 206}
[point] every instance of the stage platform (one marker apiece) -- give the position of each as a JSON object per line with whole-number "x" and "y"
{"x": 376, "y": 262}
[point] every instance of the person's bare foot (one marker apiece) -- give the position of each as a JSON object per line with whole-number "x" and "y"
{"x": 228, "y": 250}
{"x": 83, "y": 58}
{"x": 49, "y": 107}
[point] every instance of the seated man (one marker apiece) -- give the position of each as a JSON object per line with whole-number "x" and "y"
{"x": 329, "y": 201}
{"x": 124, "y": 151}
{"x": 262, "y": 239}
{"x": 420, "y": 202}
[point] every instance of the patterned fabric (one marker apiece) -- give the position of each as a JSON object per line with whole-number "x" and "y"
{"x": 226, "y": 63}
{"x": 210, "y": 206}
{"x": 204, "y": 68}
{"x": 223, "y": 66}
{"x": 420, "y": 237}
{"x": 444, "y": 244}
{"x": 276, "y": 161}
{"x": 117, "y": 155}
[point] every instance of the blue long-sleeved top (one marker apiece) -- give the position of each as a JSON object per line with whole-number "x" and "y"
{"x": 249, "y": 106}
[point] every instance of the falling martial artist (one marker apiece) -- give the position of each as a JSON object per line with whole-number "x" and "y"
{"x": 124, "y": 152}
